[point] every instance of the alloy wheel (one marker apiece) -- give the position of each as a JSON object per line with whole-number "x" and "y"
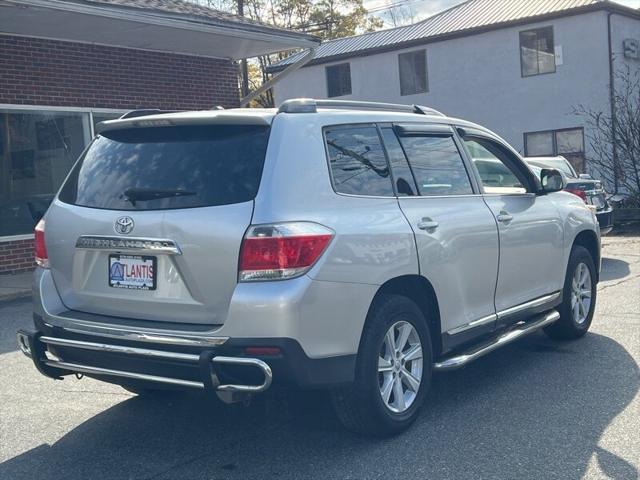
{"x": 581, "y": 293}
{"x": 400, "y": 366}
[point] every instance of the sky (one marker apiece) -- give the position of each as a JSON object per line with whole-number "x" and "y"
{"x": 425, "y": 8}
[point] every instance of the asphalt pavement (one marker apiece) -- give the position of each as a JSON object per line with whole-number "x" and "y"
{"x": 537, "y": 409}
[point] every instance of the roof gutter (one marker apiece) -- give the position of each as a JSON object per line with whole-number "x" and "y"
{"x": 239, "y": 30}
{"x": 271, "y": 82}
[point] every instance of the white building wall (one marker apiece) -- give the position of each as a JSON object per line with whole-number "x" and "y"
{"x": 621, "y": 28}
{"x": 478, "y": 78}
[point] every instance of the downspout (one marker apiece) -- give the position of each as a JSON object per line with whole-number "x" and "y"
{"x": 279, "y": 76}
{"x": 612, "y": 101}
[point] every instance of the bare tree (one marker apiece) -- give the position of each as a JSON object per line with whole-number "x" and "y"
{"x": 622, "y": 130}
{"x": 325, "y": 18}
{"x": 399, "y": 15}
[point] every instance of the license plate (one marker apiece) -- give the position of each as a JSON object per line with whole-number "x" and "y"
{"x": 136, "y": 272}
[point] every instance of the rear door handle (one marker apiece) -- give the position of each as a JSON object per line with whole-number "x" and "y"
{"x": 427, "y": 224}
{"x": 505, "y": 217}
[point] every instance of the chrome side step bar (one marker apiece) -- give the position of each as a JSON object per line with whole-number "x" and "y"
{"x": 23, "y": 342}
{"x": 525, "y": 328}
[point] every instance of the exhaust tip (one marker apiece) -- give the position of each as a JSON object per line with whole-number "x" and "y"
{"x": 23, "y": 344}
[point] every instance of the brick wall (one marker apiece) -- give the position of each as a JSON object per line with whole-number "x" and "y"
{"x": 16, "y": 256}
{"x": 49, "y": 72}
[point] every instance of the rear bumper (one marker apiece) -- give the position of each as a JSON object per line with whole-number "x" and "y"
{"x": 324, "y": 318}
{"x": 315, "y": 326}
{"x": 57, "y": 352}
{"x": 605, "y": 220}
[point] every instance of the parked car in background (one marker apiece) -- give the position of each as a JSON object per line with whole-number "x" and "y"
{"x": 585, "y": 187}
{"x": 348, "y": 246}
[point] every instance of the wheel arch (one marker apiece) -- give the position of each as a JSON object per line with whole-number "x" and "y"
{"x": 588, "y": 239}
{"x": 420, "y": 290}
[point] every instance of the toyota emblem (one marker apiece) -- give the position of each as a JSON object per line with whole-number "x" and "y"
{"x": 124, "y": 225}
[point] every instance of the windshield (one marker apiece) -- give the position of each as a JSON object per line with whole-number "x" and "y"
{"x": 169, "y": 167}
{"x": 559, "y": 164}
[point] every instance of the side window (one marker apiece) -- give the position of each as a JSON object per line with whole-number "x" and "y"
{"x": 357, "y": 161}
{"x": 437, "y": 165}
{"x": 493, "y": 165}
{"x": 405, "y": 183}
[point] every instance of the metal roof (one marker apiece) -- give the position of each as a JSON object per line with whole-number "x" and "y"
{"x": 185, "y": 10}
{"x": 463, "y": 19}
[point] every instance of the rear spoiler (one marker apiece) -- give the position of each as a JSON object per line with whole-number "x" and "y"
{"x": 207, "y": 117}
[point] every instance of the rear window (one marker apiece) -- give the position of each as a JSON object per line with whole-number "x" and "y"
{"x": 169, "y": 167}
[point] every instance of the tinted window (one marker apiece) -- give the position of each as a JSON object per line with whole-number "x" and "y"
{"x": 413, "y": 72}
{"x": 405, "y": 183}
{"x": 338, "y": 80}
{"x": 169, "y": 167}
{"x": 358, "y": 164}
{"x": 493, "y": 165}
{"x": 437, "y": 165}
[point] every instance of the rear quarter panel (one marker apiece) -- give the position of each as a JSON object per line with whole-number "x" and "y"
{"x": 373, "y": 241}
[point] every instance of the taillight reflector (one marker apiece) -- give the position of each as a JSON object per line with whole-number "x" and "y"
{"x": 40, "y": 248}
{"x": 577, "y": 192}
{"x": 281, "y": 251}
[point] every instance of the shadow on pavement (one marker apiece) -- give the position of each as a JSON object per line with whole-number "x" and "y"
{"x": 613, "y": 269}
{"x": 535, "y": 409}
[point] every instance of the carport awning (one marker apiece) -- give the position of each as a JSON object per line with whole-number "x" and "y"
{"x": 161, "y": 25}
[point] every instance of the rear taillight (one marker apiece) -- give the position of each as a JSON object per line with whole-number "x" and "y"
{"x": 281, "y": 251}
{"x": 578, "y": 192}
{"x": 40, "y": 249}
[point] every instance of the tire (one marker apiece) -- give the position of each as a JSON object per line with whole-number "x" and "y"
{"x": 360, "y": 406}
{"x": 576, "y": 315}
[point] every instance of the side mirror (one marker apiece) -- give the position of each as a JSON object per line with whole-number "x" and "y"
{"x": 551, "y": 180}
{"x": 585, "y": 176}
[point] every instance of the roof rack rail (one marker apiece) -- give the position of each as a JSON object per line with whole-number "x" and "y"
{"x": 145, "y": 112}
{"x": 310, "y": 105}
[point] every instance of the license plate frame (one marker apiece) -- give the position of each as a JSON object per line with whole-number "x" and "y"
{"x": 116, "y": 277}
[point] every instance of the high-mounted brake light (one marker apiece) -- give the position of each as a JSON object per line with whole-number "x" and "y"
{"x": 40, "y": 249}
{"x": 577, "y": 192}
{"x": 281, "y": 251}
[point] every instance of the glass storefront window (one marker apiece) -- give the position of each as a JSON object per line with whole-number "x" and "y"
{"x": 37, "y": 150}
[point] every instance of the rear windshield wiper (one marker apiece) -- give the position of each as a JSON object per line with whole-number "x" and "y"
{"x": 135, "y": 194}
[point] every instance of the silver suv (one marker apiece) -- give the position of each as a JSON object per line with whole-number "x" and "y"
{"x": 342, "y": 245}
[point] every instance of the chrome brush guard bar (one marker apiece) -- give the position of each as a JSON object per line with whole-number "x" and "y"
{"x": 26, "y": 341}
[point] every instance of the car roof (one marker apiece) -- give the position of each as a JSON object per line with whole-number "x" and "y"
{"x": 265, "y": 116}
